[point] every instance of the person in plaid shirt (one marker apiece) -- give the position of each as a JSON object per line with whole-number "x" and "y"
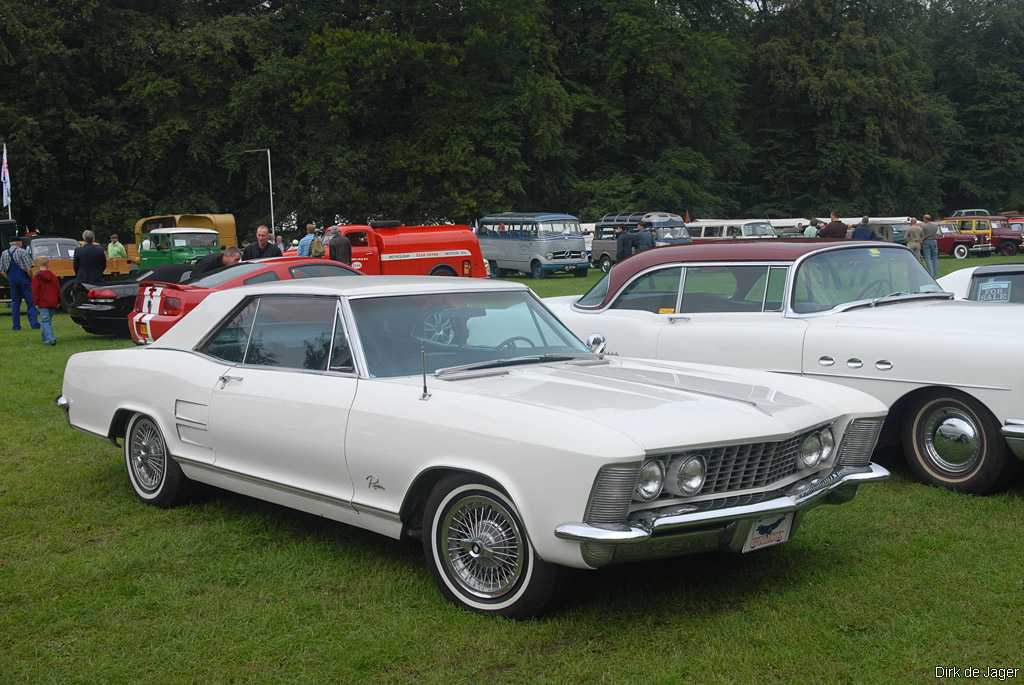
{"x": 16, "y": 264}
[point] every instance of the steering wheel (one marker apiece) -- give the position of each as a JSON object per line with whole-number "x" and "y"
{"x": 510, "y": 343}
{"x": 869, "y": 287}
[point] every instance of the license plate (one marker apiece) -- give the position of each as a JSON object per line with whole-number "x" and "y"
{"x": 772, "y": 530}
{"x": 143, "y": 329}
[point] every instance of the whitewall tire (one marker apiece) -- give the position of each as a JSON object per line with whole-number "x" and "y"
{"x": 479, "y": 552}
{"x": 154, "y": 476}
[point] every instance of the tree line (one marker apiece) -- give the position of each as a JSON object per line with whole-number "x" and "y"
{"x": 443, "y": 109}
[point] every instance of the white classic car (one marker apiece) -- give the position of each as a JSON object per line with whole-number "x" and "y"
{"x": 995, "y": 284}
{"x": 462, "y": 412}
{"x": 865, "y": 315}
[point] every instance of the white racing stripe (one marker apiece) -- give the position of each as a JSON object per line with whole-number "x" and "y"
{"x": 401, "y": 256}
{"x": 150, "y": 308}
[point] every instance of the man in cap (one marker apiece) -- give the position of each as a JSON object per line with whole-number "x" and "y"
{"x": 16, "y": 264}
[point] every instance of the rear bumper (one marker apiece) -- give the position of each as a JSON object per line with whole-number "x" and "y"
{"x": 680, "y": 529}
{"x": 1013, "y": 431}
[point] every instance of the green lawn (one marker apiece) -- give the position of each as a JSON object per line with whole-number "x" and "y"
{"x": 96, "y": 587}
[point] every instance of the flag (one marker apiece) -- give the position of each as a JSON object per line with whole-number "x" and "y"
{"x": 5, "y": 179}
{"x": 686, "y": 219}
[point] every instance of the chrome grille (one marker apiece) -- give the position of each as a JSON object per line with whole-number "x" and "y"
{"x": 755, "y": 465}
{"x": 567, "y": 254}
{"x": 612, "y": 493}
{"x": 859, "y": 441}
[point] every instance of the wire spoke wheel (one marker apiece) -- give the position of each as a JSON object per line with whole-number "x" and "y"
{"x": 438, "y": 327}
{"x": 482, "y": 546}
{"x": 147, "y": 455}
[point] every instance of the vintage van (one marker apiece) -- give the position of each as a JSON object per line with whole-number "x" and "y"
{"x": 706, "y": 230}
{"x": 670, "y": 229}
{"x": 533, "y": 243}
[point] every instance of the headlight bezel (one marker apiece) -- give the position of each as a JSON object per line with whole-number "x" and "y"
{"x": 681, "y": 469}
{"x": 638, "y": 491}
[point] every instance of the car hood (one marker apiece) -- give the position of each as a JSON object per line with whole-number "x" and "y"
{"x": 661, "y": 405}
{"x": 943, "y": 317}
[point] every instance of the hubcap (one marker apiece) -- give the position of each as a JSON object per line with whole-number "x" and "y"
{"x": 952, "y": 439}
{"x": 482, "y": 546}
{"x": 147, "y": 455}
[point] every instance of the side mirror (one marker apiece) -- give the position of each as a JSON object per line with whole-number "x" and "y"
{"x": 596, "y": 343}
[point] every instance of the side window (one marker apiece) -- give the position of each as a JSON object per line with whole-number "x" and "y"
{"x": 292, "y": 331}
{"x": 966, "y": 225}
{"x": 654, "y": 292}
{"x": 264, "y": 277}
{"x": 734, "y": 232}
{"x": 709, "y": 289}
{"x": 712, "y": 231}
{"x": 980, "y": 225}
{"x": 319, "y": 271}
{"x": 341, "y": 353}
{"x": 228, "y": 342}
{"x": 776, "y": 288}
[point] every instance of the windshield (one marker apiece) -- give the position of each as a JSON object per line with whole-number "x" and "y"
{"x": 595, "y": 296}
{"x": 162, "y": 241}
{"x": 53, "y": 248}
{"x": 758, "y": 228}
{"x": 559, "y": 227}
{"x": 998, "y": 288}
{"x": 227, "y": 273}
{"x": 837, "y": 277}
{"x": 671, "y": 232}
{"x": 454, "y": 329}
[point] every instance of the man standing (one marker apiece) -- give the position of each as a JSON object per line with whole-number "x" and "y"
{"x": 262, "y": 247}
{"x": 812, "y": 229}
{"x": 864, "y": 231}
{"x": 930, "y": 245}
{"x": 836, "y": 229}
{"x": 16, "y": 264}
{"x": 623, "y": 244}
{"x": 306, "y": 244}
{"x": 279, "y": 242}
{"x": 217, "y": 260}
{"x": 643, "y": 239}
{"x": 90, "y": 260}
{"x": 914, "y": 237}
{"x": 341, "y": 248}
{"x": 115, "y": 250}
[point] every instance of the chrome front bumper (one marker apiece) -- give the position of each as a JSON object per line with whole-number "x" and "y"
{"x": 1013, "y": 431}
{"x": 683, "y": 528}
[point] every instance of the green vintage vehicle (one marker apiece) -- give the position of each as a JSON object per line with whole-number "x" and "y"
{"x": 176, "y": 246}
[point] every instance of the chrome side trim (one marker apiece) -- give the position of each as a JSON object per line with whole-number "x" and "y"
{"x": 819, "y": 374}
{"x": 1013, "y": 431}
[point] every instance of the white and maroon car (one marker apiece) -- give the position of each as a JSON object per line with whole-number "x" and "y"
{"x": 159, "y": 305}
{"x": 861, "y": 314}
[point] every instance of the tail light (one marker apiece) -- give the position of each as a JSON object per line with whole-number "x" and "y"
{"x": 170, "y": 306}
{"x": 467, "y": 267}
{"x": 102, "y": 295}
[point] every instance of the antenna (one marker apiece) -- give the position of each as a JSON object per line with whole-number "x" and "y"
{"x": 423, "y": 369}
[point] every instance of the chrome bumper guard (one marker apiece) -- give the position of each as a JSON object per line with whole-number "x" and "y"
{"x": 1013, "y": 431}
{"x": 651, "y": 527}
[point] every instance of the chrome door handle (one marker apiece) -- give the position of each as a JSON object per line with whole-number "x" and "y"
{"x": 225, "y": 379}
{"x": 672, "y": 318}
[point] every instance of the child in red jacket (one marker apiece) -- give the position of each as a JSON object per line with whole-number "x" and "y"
{"x": 46, "y": 294}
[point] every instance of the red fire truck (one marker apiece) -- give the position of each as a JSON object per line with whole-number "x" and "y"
{"x": 390, "y": 248}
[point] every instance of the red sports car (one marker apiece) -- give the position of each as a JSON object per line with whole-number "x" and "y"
{"x": 159, "y": 305}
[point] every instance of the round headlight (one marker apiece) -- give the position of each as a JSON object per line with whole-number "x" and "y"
{"x": 828, "y": 443}
{"x": 686, "y": 475}
{"x": 549, "y": 255}
{"x": 650, "y": 482}
{"x": 810, "y": 451}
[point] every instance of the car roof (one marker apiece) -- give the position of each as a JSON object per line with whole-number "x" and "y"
{"x": 998, "y": 269}
{"x": 774, "y": 250}
{"x": 50, "y": 238}
{"x": 530, "y": 216}
{"x": 180, "y": 229}
{"x": 656, "y": 216}
{"x": 347, "y": 286}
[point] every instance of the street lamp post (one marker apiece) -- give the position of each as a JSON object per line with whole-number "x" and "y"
{"x": 270, "y": 179}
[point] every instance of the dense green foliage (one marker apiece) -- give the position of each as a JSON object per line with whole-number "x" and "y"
{"x": 426, "y": 110}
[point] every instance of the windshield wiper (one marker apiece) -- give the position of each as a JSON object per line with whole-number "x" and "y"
{"x": 514, "y": 361}
{"x": 894, "y": 297}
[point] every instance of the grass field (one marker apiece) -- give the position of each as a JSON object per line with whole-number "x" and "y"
{"x": 96, "y": 587}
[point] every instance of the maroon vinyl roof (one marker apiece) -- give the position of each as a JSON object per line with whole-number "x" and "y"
{"x": 757, "y": 250}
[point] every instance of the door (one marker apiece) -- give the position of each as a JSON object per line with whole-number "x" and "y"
{"x": 732, "y": 315}
{"x": 365, "y": 256}
{"x": 281, "y": 413}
